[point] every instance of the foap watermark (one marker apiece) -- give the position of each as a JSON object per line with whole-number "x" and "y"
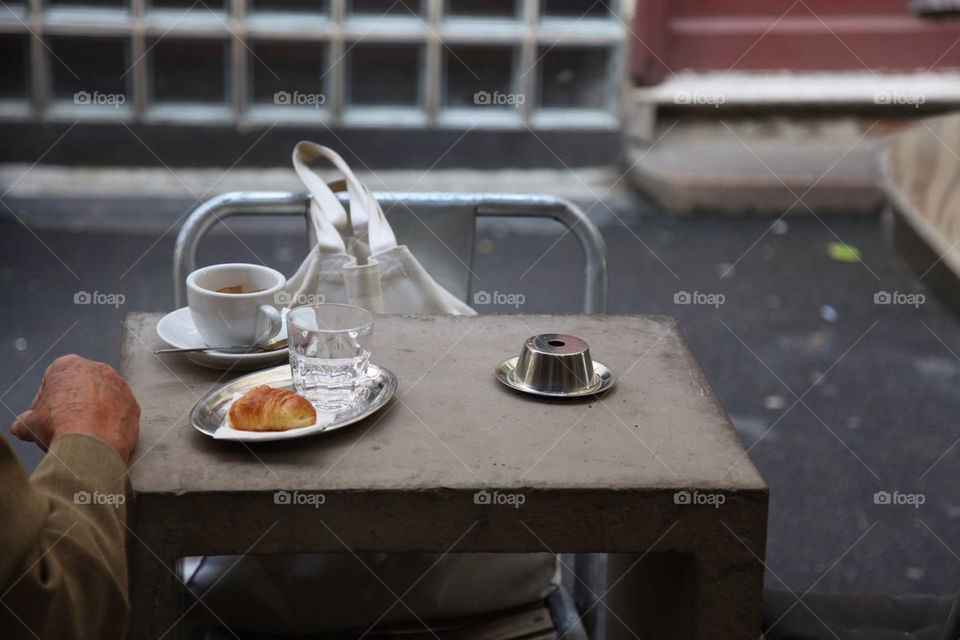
{"x": 114, "y": 100}
{"x": 896, "y": 297}
{"x": 899, "y": 98}
{"x": 700, "y": 98}
{"x": 287, "y": 299}
{"x": 299, "y": 99}
{"x": 485, "y": 98}
{"x": 497, "y": 498}
{"x": 112, "y": 499}
{"x": 516, "y": 300}
{"x": 712, "y": 299}
{"x": 896, "y": 498}
{"x": 309, "y": 498}
{"x": 113, "y": 299}
{"x": 695, "y": 497}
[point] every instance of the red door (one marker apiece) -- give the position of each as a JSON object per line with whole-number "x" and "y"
{"x": 802, "y": 35}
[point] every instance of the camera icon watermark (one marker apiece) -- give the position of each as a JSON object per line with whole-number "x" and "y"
{"x": 896, "y": 498}
{"x": 699, "y": 98}
{"x": 899, "y": 99}
{"x": 483, "y": 298}
{"x": 484, "y": 497}
{"x": 113, "y": 299}
{"x": 287, "y": 299}
{"x": 711, "y": 299}
{"x": 299, "y": 99}
{"x": 97, "y": 498}
{"x": 309, "y": 498}
{"x": 115, "y": 100}
{"x": 485, "y": 98}
{"x": 909, "y": 299}
{"x": 709, "y": 498}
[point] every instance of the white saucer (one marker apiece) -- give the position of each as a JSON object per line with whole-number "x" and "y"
{"x": 177, "y": 330}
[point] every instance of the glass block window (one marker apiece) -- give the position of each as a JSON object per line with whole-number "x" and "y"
{"x": 572, "y": 78}
{"x": 296, "y": 6}
{"x": 576, "y": 9}
{"x": 484, "y": 8}
{"x": 386, "y": 8}
{"x": 87, "y": 66}
{"x": 280, "y": 69}
{"x": 185, "y": 5}
{"x": 13, "y": 11}
{"x": 384, "y": 75}
{"x": 185, "y": 71}
{"x": 119, "y": 4}
{"x": 15, "y": 72}
{"x": 477, "y": 76}
{"x": 368, "y": 63}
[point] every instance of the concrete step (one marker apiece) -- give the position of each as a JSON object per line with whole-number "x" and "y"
{"x": 756, "y": 166}
{"x": 739, "y": 142}
{"x": 156, "y": 199}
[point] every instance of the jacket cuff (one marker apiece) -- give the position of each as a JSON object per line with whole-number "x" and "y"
{"x": 84, "y": 470}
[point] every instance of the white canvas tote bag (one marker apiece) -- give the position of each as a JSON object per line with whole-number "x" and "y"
{"x": 357, "y": 260}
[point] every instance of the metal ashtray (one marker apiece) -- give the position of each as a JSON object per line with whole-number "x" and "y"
{"x": 555, "y": 365}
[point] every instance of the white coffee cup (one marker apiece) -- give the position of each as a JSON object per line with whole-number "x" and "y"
{"x": 235, "y": 319}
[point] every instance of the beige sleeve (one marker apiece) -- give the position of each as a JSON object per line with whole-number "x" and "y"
{"x": 63, "y": 567}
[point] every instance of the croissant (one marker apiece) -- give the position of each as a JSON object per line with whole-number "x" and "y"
{"x": 266, "y": 409}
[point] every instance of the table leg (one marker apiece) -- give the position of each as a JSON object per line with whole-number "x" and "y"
{"x": 650, "y": 596}
{"x": 672, "y": 595}
{"x": 156, "y": 600}
{"x": 729, "y": 594}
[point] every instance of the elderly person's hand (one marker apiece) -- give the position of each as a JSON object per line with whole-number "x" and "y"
{"x": 81, "y": 396}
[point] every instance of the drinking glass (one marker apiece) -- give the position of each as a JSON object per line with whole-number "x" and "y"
{"x": 329, "y": 352}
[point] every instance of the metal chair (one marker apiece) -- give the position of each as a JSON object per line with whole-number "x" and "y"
{"x": 440, "y": 230}
{"x": 919, "y": 173}
{"x": 438, "y": 227}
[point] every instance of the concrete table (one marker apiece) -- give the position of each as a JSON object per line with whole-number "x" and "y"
{"x": 652, "y": 472}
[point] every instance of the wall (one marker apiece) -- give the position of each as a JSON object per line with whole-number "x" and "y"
{"x": 807, "y": 35}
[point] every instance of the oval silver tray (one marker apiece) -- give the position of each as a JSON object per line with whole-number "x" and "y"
{"x": 211, "y": 411}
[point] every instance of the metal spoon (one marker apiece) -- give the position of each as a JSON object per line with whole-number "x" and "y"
{"x": 273, "y": 346}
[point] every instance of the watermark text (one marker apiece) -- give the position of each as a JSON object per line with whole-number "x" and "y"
{"x": 695, "y": 497}
{"x": 308, "y": 498}
{"x": 514, "y": 500}
{"x": 896, "y": 498}
{"x": 515, "y": 300}
{"x": 113, "y": 299}
{"x": 112, "y": 499}
{"x": 697, "y": 297}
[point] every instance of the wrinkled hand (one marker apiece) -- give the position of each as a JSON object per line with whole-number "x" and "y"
{"x": 81, "y": 396}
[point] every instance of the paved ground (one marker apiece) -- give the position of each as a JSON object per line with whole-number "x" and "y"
{"x": 838, "y": 397}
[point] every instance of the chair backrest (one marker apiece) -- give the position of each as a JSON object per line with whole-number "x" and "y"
{"x": 441, "y": 235}
{"x": 439, "y": 228}
{"x": 918, "y": 173}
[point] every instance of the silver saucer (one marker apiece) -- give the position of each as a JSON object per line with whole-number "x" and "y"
{"x": 602, "y": 380}
{"x": 211, "y": 411}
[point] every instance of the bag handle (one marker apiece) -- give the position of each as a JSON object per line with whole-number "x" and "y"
{"x": 325, "y": 208}
{"x": 330, "y": 218}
